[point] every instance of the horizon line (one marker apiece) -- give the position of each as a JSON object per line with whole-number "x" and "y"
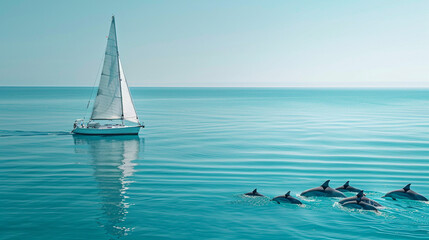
{"x": 296, "y": 87}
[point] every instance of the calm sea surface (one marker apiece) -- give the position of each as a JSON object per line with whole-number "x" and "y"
{"x": 183, "y": 177}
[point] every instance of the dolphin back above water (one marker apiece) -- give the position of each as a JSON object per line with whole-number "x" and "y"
{"x": 254, "y": 193}
{"x": 405, "y": 193}
{"x": 347, "y": 188}
{"x": 362, "y": 198}
{"x": 287, "y": 198}
{"x": 323, "y": 191}
{"x": 358, "y": 203}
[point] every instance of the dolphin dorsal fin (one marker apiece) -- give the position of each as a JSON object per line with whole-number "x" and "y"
{"x": 406, "y": 188}
{"x": 254, "y": 191}
{"x": 325, "y": 184}
{"x": 346, "y": 184}
{"x": 360, "y": 194}
{"x": 287, "y": 194}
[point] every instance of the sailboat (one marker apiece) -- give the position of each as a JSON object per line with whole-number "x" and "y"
{"x": 113, "y": 102}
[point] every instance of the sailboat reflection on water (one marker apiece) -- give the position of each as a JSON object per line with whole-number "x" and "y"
{"x": 113, "y": 165}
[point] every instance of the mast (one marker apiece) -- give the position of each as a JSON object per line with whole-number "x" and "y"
{"x": 119, "y": 70}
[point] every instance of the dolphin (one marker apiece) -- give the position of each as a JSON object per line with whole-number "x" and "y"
{"x": 323, "y": 191}
{"x": 347, "y": 188}
{"x": 405, "y": 193}
{"x": 362, "y": 198}
{"x": 358, "y": 203}
{"x": 254, "y": 193}
{"x": 287, "y": 198}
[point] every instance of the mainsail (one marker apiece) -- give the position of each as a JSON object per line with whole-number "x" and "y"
{"x": 113, "y": 101}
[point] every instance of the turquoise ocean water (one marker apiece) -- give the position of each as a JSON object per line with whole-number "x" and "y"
{"x": 184, "y": 176}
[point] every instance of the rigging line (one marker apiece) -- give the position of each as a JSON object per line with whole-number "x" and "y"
{"x": 93, "y": 85}
{"x": 119, "y": 68}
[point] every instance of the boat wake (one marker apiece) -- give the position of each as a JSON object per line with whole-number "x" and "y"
{"x": 11, "y": 133}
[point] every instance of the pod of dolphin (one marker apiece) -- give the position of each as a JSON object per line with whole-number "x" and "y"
{"x": 360, "y": 201}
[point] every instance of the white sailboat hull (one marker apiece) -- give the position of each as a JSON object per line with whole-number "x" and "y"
{"x": 115, "y": 130}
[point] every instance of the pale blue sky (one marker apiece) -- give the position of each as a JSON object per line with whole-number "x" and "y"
{"x": 222, "y": 43}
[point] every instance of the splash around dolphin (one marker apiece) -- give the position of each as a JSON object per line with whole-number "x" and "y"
{"x": 405, "y": 193}
{"x": 287, "y": 198}
{"x": 254, "y": 193}
{"x": 323, "y": 191}
{"x": 357, "y": 203}
{"x": 347, "y": 188}
{"x": 362, "y": 199}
